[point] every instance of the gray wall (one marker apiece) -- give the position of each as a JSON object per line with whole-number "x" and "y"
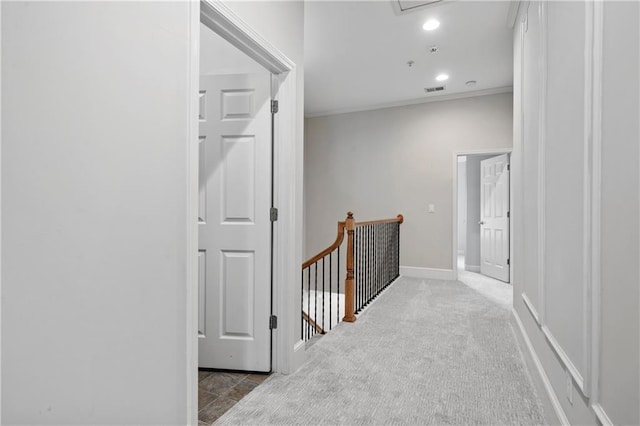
{"x": 397, "y": 160}
{"x": 576, "y": 271}
{"x": 472, "y": 255}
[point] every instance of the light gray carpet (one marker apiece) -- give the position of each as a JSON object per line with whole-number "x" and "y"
{"x": 426, "y": 352}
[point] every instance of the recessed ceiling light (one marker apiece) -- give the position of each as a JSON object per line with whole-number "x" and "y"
{"x": 442, "y": 77}
{"x": 431, "y": 25}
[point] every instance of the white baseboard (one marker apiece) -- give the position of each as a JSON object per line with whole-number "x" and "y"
{"x": 472, "y": 268}
{"x": 429, "y": 273}
{"x": 555, "y": 402}
{"x": 299, "y": 356}
{"x": 602, "y": 415}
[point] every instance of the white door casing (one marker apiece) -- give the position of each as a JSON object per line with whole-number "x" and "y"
{"x": 234, "y": 222}
{"x": 494, "y": 217}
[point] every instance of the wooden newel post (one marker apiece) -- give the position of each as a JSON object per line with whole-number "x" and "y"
{"x": 349, "y": 294}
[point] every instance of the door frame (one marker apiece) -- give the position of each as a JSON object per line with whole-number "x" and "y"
{"x": 287, "y": 353}
{"x": 454, "y": 222}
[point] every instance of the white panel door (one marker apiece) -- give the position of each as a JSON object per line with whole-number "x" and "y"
{"x": 235, "y": 227}
{"x": 494, "y": 217}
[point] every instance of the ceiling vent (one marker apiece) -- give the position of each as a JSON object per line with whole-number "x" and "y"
{"x": 434, "y": 89}
{"x": 405, "y": 6}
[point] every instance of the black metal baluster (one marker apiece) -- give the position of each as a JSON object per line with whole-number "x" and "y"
{"x": 315, "y": 300}
{"x": 330, "y": 289}
{"x": 390, "y": 253}
{"x": 365, "y": 261}
{"x": 323, "y": 294}
{"x": 356, "y": 286}
{"x": 363, "y": 276}
{"x": 398, "y": 248}
{"x": 368, "y": 279}
{"x": 360, "y": 277}
{"x": 302, "y": 305}
{"x": 366, "y": 283}
{"x": 338, "y": 280}
{"x": 361, "y": 261}
{"x": 371, "y": 258}
{"x": 378, "y": 260}
{"x": 393, "y": 248}
{"x": 393, "y": 252}
{"x": 381, "y": 249}
{"x": 366, "y": 251}
{"x": 309, "y": 302}
{"x": 386, "y": 254}
{"x": 362, "y": 233}
{"x": 381, "y": 259}
{"x": 372, "y": 234}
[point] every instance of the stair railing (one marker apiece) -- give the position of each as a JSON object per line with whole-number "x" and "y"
{"x": 322, "y": 311}
{"x": 372, "y": 264}
{"x": 377, "y": 258}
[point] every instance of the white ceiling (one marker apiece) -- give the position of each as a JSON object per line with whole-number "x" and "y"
{"x": 356, "y": 53}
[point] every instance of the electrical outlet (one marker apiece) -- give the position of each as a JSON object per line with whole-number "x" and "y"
{"x": 569, "y": 382}
{"x": 432, "y": 208}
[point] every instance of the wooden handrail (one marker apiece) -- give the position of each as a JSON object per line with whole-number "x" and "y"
{"x": 312, "y": 322}
{"x": 398, "y": 219}
{"x": 331, "y": 248}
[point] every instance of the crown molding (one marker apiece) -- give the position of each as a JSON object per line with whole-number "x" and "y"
{"x": 439, "y": 98}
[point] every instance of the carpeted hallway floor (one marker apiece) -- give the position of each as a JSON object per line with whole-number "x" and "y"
{"x": 425, "y": 352}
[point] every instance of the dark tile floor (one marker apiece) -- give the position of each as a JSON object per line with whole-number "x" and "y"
{"x": 219, "y": 391}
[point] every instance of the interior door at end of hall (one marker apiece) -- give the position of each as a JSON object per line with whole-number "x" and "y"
{"x": 494, "y": 217}
{"x": 234, "y": 224}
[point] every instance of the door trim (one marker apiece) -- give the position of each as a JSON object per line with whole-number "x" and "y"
{"x": 223, "y": 21}
{"x": 454, "y": 220}
{"x": 287, "y": 192}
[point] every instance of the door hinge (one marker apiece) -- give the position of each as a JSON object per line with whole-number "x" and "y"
{"x": 508, "y": 261}
{"x": 273, "y": 214}
{"x": 274, "y": 107}
{"x": 508, "y": 214}
{"x": 273, "y": 322}
{"x": 508, "y": 167}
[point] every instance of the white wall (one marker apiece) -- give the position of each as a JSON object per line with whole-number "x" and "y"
{"x": 397, "y": 160}
{"x": 94, "y": 195}
{"x": 472, "y": 256}
{"x": 620, "y": 350}
{"x": 462, "y": 204}
{"x": 218, "y": 56}
{"x": 577, "y": 241}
